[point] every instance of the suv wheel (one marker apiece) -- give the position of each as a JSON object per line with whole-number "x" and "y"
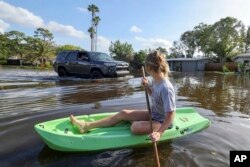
{"x": 96, "y": 74}
{"x": 62, "y": 72}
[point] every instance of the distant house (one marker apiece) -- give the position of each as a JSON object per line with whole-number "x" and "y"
{"x": 188, "y": 64}
{"x": 243, "y": 58}
{"x": 14, "y": 60}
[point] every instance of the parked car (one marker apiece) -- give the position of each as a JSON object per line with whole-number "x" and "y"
{"x": 89, "y": 64}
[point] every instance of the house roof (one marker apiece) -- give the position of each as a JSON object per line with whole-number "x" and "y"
{"x": 188, "y": 59}
{"x": 243, "y": 55}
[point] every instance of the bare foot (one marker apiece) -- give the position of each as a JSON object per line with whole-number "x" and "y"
{"x": 81, "y": 125}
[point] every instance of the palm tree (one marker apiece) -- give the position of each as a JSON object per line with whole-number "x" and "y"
{"x": 91, "y": 31}
{"x": 93, "y": 9}
{"x": 96, "y": 21}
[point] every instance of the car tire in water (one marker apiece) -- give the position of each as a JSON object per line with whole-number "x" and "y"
{"x": 62, "y": 72}
{"x": 96, "y": 74}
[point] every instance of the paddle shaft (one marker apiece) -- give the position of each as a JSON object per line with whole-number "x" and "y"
{"x": 151, "y": 123}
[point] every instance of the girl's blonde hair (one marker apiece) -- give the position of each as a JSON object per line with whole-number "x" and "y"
{"x": 155, "y": 61}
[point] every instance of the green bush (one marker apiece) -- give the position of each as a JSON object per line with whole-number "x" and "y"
{"x": 2, "y": 62}
{"x": 225, "y": 69}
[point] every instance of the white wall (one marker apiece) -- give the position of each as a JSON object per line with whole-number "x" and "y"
{"x": 242, "y": 59}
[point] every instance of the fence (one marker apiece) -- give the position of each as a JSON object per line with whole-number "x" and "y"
{"x": 232, "y": 66}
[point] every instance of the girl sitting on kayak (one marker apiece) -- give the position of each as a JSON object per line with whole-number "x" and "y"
{"x": 162, "y": 103}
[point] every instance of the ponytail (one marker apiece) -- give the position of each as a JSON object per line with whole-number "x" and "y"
{"x": 156, "y": 62}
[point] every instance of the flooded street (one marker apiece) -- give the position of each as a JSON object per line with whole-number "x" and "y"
{"x": 28, "y": 97}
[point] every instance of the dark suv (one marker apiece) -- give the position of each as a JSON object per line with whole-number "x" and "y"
{"x": 89, "y": 64}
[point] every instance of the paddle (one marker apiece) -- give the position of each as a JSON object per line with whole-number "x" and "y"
{"x": 151, "y": 124}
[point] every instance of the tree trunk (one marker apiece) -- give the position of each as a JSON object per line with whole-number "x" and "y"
{"x": 92, "y": 43}
{"x": 96, "y": 39}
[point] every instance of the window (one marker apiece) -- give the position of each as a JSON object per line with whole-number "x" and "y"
{"x": 62, "y": 55}
{"x": 83, "y": 57}
{"x": 246, "y": 61}
{"x": 72, "y": 56}
{"x": 100, "y": 56}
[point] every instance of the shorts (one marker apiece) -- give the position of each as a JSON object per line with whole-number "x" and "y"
{"x": 170, "y": 126}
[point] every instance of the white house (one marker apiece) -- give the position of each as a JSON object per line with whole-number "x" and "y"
{"x": 243, "y": 58}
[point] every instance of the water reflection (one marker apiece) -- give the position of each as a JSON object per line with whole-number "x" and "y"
{"x": 113, "y": 158}
{"x": 219, "y": 93}
{"x": 93, "y": 92}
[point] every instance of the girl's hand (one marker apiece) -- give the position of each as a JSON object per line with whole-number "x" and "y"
{"x": 144, "y": 81}
{"x": 155, "y": 136}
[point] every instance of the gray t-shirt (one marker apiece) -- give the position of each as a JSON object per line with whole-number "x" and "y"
{"x": 162, "y": 99}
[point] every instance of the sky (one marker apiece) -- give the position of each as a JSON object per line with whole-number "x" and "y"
{"x": 143, "y": 23}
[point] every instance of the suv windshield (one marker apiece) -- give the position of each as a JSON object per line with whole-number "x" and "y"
{"x": 100, "y": 56}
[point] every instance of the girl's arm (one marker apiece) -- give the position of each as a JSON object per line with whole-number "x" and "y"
{"x": 145, "y": 83}
{"x": 155, "y": 136}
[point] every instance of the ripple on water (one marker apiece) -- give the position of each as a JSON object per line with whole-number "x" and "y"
{"x": 28, "y": 97}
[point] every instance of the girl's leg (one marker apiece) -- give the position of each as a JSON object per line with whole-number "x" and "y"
{"x": 124, "y": 115}
{"x": 144, "y": 127}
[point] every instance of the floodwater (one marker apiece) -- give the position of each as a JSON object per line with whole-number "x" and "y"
{"x": 28, "y": 97}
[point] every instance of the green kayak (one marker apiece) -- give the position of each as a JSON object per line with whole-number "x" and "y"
{"x": 60, "y": 135}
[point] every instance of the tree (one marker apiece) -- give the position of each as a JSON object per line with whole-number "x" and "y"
{"x": 162, "y": 50}
{"x": 67, "y": 47}
{"x": 43, "y": 34}
{"x": 203, "y": 38}
{"x": 91, "y": 31}
{"x": 247, "y": 40}
{"x": 42, "y": 46}
{"x": 188, "y": 41}
{"x": 226, "y": 38}
{"x": 93, "y": 9}
{"x": 16, "y": 43}
{"x": 176, "y": 50}
{"x": 121, "y": 51}
{"x": 4, "y": 50}
{"x": 138, "y": 60}
{"x": 96, "y": 21}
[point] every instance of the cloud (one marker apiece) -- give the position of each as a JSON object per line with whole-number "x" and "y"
{"x": 83, "y": 10}
{"x": 19, "y": 16}
{"x": 238, "y": 9}
{"x": 3, "y": 26}
{"x": 135, "y": 29}
{"x": 23, "y": 17}
{"x": 103, "y": 44}
{"x": 65, "y": 29}
{"x": 153, "y": 43}
{"x": 216, "y": 10}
